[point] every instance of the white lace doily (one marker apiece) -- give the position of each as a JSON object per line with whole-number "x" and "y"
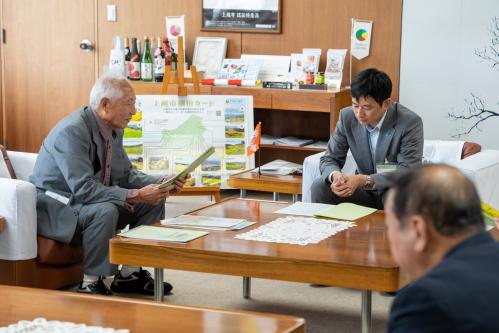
{"x": 296, "y": 230}
{"x": 42, "y": 325}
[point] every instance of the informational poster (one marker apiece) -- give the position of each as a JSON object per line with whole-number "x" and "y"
{"x": 242, "y": 15}
{"x": 169, "y": 132}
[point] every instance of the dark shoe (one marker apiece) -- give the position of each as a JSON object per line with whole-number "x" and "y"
{"x": 96, "y": 288}
{"x": 139, "y": 282}
{"x": 388, "y": 293}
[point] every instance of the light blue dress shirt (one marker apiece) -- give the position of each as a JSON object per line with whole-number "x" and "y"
{"x": 374, "y": 135}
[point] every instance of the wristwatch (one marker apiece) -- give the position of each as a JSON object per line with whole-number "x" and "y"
{"x": 369, "y": 184}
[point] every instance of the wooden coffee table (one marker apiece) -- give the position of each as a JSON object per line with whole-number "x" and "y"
{"x": 357, "y": 258}
{"x": 247, "y": 180}
{"x": 136, "y": 315}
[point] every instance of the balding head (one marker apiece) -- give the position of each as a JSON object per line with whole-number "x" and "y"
{"x": 442, "y": 195}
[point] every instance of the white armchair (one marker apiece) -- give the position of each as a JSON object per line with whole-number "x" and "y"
{"x": 482, "y": 168}
{"x": 18, "y": 206}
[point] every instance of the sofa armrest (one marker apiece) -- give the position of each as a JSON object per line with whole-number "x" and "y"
{"x": 311, "y": 171}
{"x": 23, "y": 163}
{"x": 18, "y": 207}
{"x": 483, "y": 169}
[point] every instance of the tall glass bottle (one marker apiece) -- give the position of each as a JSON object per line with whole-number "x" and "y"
{"x": 128, "y": 55}
{"x": 146, "y": 63}
{"x": 134, "y": 61}
{"x": 159, "y": 62}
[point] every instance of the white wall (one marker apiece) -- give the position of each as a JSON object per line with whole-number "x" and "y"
{"x": 439, "y": 68}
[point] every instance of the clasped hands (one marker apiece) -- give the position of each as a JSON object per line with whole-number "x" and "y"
{"x": 153, "y": 195}
{"x": 345, "y": 185}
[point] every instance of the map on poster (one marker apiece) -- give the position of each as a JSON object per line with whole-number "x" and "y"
{"x": 168, "y": 132}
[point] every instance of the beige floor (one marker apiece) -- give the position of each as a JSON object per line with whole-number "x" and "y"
{"x": 324, "y": 309}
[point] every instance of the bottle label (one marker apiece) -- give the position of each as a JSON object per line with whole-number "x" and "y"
{"x": 159, "y": 66}
{"x": 146, "y": 71}
{"x": 135, "y": 70}
{"x": 127, "y": 69}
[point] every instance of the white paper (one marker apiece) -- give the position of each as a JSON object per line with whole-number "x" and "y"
{"x": 274, "y": 68}
{"x": 297, "y": 67}
{"x": 296, "y": 230}
{"x": 202, "y": 221}
{"x": 238, "y": 69}
{"x": 312, "y": 57}
{"x": 334, "y": 68}
{"x": 278, "y": 167}
{"x": 303, "y": 209}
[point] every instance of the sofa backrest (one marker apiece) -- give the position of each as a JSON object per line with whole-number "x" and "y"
{"x": 23, "y": 163}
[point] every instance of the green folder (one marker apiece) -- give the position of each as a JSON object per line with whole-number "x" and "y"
{"x": 345, "y": 211}
{"x": 489, "y": 214}
{"x": 189, "y": 168}
{"x": 163, "y": 234}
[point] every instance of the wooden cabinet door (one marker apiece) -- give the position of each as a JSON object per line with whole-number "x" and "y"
{"x": 45, "y": 74}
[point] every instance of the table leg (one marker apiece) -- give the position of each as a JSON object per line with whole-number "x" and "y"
{"x": 366, "y": 311}
{"x": 276, "y": 196}
{"x": 246, "y": 287}
{"x": 158, "y": 284}
{"x": 295, "y": 198}
{"x": 242, "y": 194}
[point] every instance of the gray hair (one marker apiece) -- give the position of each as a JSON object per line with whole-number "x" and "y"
{"x": 110, "y": 86}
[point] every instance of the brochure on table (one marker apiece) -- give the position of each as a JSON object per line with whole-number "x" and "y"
{"x": 163, "y": 234}
{"x": 169, "y": 132}
{"x": 239, "y": 69}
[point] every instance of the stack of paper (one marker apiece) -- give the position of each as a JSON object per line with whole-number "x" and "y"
{"x": 163, "y": 234}
{"x": 207, "y": 222}
{"x": 293, "y": 142}
{"x": 279, "y": 167}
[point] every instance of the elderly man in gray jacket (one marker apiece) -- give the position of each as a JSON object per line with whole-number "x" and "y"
{"x": 381, "y": 135}
{"x": 87, "y": 188}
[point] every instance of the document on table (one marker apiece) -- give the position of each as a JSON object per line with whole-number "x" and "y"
{"x": 207, "y": 222}
{"x": 163, "y": 234}
{"x": 303, "y": 209}
{"x": 346, "y": 211}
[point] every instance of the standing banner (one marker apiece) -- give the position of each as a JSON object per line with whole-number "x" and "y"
{"x": 361, "y": 38}
{"x": 175, "y": 27}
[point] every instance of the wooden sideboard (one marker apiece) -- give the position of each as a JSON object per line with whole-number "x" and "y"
{"x": 309, "y": 114}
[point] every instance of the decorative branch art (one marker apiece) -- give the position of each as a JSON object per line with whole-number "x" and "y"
{"x": 477, "y": 110}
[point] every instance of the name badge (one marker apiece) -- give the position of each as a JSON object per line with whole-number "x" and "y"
{"x": 386, "y": 167}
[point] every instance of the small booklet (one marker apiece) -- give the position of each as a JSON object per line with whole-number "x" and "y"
{"x": 189, "y": 168}
{"x": 207, "y": 222}
{"x": 346, "y": 211}
{"x": 163, "y": 234}
{"x": 279, "y": 167}
{"x": 292, "y": 141}
{"x": 202, "y": 221}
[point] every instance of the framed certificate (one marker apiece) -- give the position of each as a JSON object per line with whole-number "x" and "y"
{"x": 242, "y": 15}
{"x": 209, "y": 53}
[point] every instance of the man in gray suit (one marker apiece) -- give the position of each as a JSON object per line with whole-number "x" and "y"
{"x": 376, "y": 131}
{"x": 87, "y": 188}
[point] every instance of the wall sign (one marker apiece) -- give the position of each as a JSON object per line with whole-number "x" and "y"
{"x": 242, "y": 15}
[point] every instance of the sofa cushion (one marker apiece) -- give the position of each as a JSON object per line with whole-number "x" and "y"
{"x": 6, "y": 169}
{"x": 51, "y": 252}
